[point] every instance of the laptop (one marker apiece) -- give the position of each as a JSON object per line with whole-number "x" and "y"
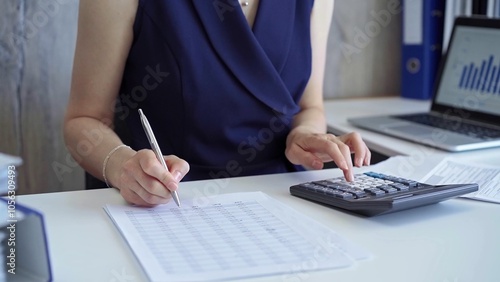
{"x": 465, "y": 109}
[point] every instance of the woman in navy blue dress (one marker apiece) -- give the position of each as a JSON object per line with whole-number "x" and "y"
{"x": 231, "y": 88}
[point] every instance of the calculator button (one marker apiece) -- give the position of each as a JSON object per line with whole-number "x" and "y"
{"x": 375, "y": 191}
{"x": 316, "y": 188}
{"x": 347, "y": 195}
{"x": 413, "y": 184}
{"x": 337, "y": 193}
{"x": 400, "y": 187}
{"x": 373, "y": 174}
{"x": 341, "y": 186}
{"x": 327, "y": 191}
{"x": 322, "y": 182}
{"x": 402, "y": 181}
{"x": 308, "y": 186}
{"x": 332, "y": 184}
{"x": 388, "y": 189}
{"x": 357, "y": 192}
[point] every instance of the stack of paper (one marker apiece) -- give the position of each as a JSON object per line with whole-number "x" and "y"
{"x": 231, "y": 236}
{"x": 451, "y": 171}
{"x": 8, "y": 166}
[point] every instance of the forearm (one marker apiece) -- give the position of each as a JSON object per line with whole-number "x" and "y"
{"x": 311, "y": 118}
{"x": 89, "y": 141}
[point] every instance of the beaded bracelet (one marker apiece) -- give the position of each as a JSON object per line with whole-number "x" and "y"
{"x": 106, "y": 162}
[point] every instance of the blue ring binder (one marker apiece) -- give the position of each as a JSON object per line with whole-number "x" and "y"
{"x": 421, "y": 46}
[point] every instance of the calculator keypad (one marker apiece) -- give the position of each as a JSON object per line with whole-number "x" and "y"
{"x": 368, "y": 184}
{"x": 374, "y": 193}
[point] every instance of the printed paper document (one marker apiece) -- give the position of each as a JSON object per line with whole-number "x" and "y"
{"x": 229, "y": 236}
{"x": 7, "y": 165}
{"x": 450, "y": 171}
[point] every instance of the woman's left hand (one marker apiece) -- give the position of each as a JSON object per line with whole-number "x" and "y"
{"x": 311, "y": 150}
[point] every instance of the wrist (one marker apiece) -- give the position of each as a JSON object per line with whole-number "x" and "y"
{"x": 306, "y": 129}
{"x": 113, "y": 162}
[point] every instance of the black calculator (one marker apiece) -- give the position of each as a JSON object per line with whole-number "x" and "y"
{"x": 373, "y": 193}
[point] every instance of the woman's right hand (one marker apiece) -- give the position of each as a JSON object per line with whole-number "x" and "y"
{"x": 143, "y": 181}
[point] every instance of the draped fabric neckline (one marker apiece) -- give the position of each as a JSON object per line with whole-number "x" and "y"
{"x": 260, "y": 53}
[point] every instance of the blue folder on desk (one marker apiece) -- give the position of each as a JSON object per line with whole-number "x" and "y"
{"x": 423, "y": 23}
{"x": 23, "y": 245}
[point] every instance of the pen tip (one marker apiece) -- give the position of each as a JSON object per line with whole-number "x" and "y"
{"x": 176, "y": 199}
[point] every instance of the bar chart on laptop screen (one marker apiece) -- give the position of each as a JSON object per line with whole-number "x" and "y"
{"x": 471, "y": 77}
{"x": 481, "y": 78}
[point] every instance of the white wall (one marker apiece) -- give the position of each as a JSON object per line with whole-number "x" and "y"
{"x": 364, "y": 49}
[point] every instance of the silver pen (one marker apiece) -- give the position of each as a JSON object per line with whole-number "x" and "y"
{"x": 156, "y": 149}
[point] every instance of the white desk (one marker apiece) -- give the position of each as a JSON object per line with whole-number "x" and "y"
{"x": 457, "y": 240}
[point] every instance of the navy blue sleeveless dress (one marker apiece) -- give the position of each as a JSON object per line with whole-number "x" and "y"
{"x": 217, "y": 93}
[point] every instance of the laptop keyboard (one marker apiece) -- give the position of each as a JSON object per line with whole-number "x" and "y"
{"x": 373, "y": 193}
{"x": 454, "y": 125}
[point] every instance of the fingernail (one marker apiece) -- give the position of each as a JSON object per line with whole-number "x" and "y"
{"x": 177, "y": 176}
{"x": 359, "y": 162}
{"x": 343, "y": 165}
{"x": 350, "y": 177}
{"x": 172, "y": 186}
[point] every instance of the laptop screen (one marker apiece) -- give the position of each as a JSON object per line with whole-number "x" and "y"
{"x": 471, "y": 74}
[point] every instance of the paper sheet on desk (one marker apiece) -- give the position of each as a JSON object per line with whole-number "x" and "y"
{"x": 6, "y": 160}
{"x": 230, "y": 236}
{"x": 7, "y": 166}
{"x": 450, "y": 171}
